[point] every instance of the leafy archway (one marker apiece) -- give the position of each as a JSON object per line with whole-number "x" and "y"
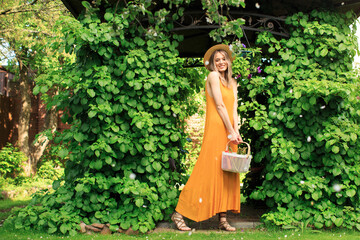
{"x": 124, "y": 96}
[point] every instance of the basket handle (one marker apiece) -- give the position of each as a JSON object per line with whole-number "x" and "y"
{"x": 248, "y": 148}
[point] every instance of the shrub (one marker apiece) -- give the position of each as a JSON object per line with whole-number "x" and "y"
{"x": 303, "y": 117}
{"x": 49, "y": 170}
{"x": 11, "y": 162}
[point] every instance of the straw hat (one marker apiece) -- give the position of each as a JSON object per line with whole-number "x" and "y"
{"x": 210, "y": 51}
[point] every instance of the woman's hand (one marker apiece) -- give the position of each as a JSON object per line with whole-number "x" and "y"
{"x": 236, "y": 138}
{"x": 239, "y": 138}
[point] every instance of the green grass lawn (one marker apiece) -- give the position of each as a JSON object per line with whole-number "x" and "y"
{"x": 261, "y": 234}
{"x": 7, "y": 232}
{"x": 8, "y": 204}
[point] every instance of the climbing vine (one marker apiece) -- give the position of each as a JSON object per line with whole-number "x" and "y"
{"x": 125, "y": 99}
{"x": 305, "y": 109}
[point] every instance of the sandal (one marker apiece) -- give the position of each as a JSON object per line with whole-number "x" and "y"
{"x": 178, "y": 219}
{"x": 224, "y": 225}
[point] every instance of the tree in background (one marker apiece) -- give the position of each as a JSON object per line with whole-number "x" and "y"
{"x": 29, "y": 30}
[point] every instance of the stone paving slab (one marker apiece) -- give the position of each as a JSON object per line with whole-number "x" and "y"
{"x": 247, "y": 219}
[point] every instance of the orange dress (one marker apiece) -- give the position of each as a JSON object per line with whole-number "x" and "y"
{"x": 209, "y": 189}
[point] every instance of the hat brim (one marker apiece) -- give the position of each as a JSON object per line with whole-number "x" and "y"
{"x": 210, "y": 51}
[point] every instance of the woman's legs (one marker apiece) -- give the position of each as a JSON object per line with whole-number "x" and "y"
{"x": 178, "y": 219}
{"x": 223, "y": 224}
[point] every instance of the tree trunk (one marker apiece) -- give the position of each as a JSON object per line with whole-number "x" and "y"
{"x": 43, "y": 140}
{"x": 24, "y": 116}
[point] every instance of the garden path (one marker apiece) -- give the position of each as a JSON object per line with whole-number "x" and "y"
{"x": 248, "y": 218}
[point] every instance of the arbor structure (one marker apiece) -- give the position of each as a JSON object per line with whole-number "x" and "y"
{"x": 196, "y": 22}
{"x": 124, "y": 97}
{"x": 125, "y": 100}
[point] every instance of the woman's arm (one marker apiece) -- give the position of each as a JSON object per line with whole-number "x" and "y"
{"x": 214, "y": 84}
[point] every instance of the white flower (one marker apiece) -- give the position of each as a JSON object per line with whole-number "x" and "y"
{"x": 207, "y": 63}
{"x": 337, "y": 187}
{"x": 323, "y": 107}
{"x": 132, "y": 176}
{"x": 181, "y": 187}
{"x": 300, "y": 115}
{"x": 144, "y": 206}
{"x": 285, "y": 236}
{"x": 302, "y": 182}
{"x": 174, "y": 114}
{"x": 231, "y": 47}
{"x": 308, "y": 139}
{"x": 291, "y": 91}
{"x": 257, "y": 5}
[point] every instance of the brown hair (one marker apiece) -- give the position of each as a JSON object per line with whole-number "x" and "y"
{"x": 212, "y": 66}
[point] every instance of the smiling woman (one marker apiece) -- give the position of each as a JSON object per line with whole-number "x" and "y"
{"x": 209, "y": 190}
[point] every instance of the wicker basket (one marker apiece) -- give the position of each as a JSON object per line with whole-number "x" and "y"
{"x": 233, "y": 162}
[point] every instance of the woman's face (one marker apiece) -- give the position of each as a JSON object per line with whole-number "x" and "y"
{"x": 220, "y": 62}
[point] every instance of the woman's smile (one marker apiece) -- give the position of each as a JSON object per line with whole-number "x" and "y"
{"x": 220, "y": 62}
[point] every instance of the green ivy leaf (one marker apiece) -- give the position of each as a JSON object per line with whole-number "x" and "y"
{"x": 52, "y": 230}
{"x": 297, "y": 95}
{"x": 143, "y": 229}
{"x": 324, "y": 52}
{"x": 139, "y": 202}
{"x": 335, "y": 149}
{"x": 79, "y": 137}
{"x": 350, "y": 192}
{"x": 130, "y": 75}
{"x": 108, "y": 16}
{"x": 318, "y": 225}
{"x": 298, "y": 215}
{"x": 339, "y": 221}
{"x": 174, "y": 137}
{"x": 63, "y": 152}
{"x": 98, "y": 164}
{"x": 156, "y": 166}
{"x": 257, "y": 126}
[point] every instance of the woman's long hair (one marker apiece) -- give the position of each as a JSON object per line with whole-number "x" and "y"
{"x": 212, "y": 66}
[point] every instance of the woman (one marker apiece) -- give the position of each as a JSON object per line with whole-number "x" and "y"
{"x": 209, "y": 189}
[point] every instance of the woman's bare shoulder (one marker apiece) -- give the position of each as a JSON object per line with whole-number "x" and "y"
{"x": 233, "y": 82}
{"x": 213, "y": 75}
